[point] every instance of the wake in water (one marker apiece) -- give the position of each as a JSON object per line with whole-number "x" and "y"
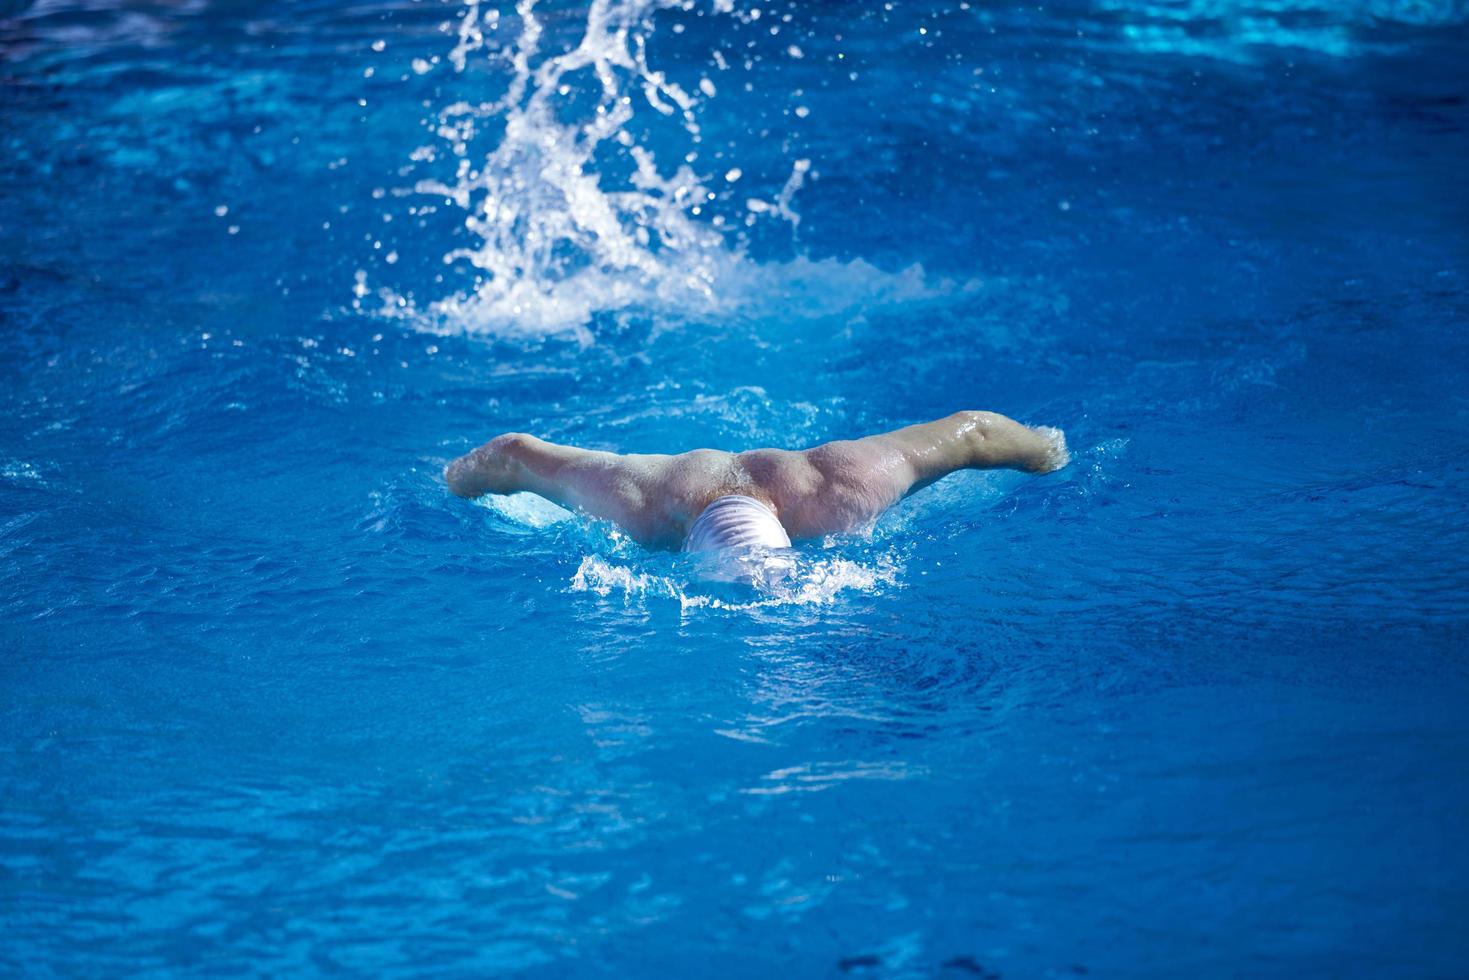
{"x": 572, "y": 213}
{"x": 813, "y": 582}
{"x": 619, "y": 568}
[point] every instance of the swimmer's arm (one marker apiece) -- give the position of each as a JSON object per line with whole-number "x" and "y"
{"x": 967, "y": 441}
{"x": 848, "y": 483}
{"x": 602, "y": 484}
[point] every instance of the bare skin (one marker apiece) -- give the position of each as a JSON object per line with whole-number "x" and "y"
{"x": 831, "y": 488}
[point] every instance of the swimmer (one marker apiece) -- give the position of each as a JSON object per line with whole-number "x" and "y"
{"x": 707, "y": 499}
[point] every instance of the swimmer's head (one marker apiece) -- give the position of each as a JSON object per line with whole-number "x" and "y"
{"x": 735, "y": 521}
{"x": 737, "y": 539}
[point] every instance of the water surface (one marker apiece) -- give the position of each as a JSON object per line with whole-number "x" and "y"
{"x": 272, "y": 701}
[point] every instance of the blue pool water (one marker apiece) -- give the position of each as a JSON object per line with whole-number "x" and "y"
{"x": 273, "y": 702}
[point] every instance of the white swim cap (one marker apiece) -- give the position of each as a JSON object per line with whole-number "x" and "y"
{"x": 736, "y": 521}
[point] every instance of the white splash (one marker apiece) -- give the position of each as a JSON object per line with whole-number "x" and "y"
{"x": 572, "y": 213}
{"x": 818, "y": 582}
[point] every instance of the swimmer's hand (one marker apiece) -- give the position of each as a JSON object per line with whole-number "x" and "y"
{"x": 494, "y": 467}
{"x": 1053, "y": 455}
